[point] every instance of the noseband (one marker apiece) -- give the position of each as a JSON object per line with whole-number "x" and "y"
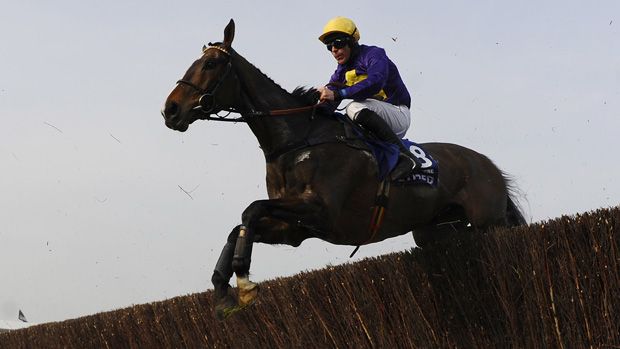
{"x": 206, "y": 101}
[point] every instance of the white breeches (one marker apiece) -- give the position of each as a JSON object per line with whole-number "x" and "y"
{"x": 397, "y": 116}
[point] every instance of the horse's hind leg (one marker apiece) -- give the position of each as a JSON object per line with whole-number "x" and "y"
{"x": 483, "y": 214}
{"x": 450, "y": 222}
{"x": 437, "y": 234}
{"x": 484, "y": 199}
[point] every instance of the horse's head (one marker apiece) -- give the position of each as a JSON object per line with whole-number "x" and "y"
{"x": 208, "y": 86}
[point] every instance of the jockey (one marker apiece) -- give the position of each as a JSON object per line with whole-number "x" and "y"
{"x": 366, "y": 75}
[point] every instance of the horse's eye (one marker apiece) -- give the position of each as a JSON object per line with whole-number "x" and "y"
{"x": 209, "y": 65}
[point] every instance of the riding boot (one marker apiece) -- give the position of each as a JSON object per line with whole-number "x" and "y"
{"x": 375, "y": 124}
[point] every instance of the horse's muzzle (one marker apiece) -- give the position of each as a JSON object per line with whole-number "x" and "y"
{"x": 172, "y": 117}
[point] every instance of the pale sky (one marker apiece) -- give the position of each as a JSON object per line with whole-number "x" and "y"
{"x": 91, "y": 214}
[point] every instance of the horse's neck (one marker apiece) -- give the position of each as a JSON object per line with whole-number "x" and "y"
{"x": 263, "y": 95}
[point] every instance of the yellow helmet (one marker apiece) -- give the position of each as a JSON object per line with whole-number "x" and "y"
{"x": 340, "y": 25}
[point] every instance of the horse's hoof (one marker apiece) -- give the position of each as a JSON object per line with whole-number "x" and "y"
{"x": 248, "y": 291}
{"x": 224, "y": 313}
{"x": 226, "y": 307}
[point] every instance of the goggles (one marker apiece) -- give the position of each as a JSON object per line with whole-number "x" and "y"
{"x": 338, "y": 44}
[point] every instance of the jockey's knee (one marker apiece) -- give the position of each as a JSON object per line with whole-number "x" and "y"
{"x": 354, "y": 108}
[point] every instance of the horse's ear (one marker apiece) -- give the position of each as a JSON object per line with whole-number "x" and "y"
{"x": 229, "y": 33}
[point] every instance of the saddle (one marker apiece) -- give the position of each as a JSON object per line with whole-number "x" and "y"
{"x": 386, "y": 154}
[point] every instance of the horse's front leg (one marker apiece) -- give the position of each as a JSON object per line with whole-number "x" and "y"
{"x": 279, "y": 221}
{"x": 247, "y": 289}
{"x": 225, "y": 302}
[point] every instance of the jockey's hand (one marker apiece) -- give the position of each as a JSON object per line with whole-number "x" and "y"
{"x": 327, "y": 95}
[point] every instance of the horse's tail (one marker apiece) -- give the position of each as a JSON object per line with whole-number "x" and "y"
{"x": 514, "y": 216}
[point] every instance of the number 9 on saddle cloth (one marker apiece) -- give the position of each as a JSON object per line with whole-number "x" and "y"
{"x": 386, "y": 155}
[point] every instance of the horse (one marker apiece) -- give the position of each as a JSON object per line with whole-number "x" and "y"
{"x": 327, "y": 190}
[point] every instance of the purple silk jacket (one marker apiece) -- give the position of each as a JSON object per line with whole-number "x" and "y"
{"x": 369, "y": 73}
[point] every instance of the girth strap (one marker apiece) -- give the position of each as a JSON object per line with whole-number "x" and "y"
{"x": 378, "y": 212}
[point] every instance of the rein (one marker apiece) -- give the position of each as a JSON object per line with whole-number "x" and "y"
{"x": 289, "y": 111}
{"x": 207, "y": 102}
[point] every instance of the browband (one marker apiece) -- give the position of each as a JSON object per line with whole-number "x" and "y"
{"x": 204, "y": 49}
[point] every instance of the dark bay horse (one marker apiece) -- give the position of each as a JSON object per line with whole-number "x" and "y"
{"x": 325, "y": 190}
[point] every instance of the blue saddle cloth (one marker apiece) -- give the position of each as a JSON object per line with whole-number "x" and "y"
{"x": 387, "y": 154}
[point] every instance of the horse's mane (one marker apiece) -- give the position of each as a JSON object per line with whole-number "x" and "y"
{"x": 305, "y": 95}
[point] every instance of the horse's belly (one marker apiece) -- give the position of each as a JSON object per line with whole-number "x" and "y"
{"x": 407, "y": 209}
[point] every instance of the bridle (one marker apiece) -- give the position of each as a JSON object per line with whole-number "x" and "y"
{"x": 207, "y": 102}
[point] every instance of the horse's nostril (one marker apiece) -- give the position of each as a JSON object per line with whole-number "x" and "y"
{"x": 171, "y": 109}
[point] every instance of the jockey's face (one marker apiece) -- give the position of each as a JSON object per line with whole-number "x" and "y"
{"x": 341, "y": 55}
